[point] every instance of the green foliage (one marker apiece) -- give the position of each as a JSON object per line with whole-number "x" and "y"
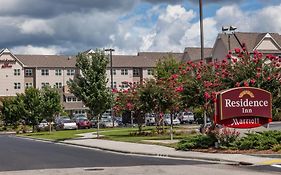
{"x": 261, "y": 141}
{"x": 50, "y": 104}
{"x": 91, "y": 87}
{"x": 31, "y": 107}
{"x": 195, "y": 142}
{"x": 167, "y": 67}
{"x": 31, "y": 113}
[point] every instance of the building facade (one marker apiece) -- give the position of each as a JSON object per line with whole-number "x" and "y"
{"x": 18, "y": 72}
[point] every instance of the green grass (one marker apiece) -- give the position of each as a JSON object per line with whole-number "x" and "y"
{"x": 115, "y": 134}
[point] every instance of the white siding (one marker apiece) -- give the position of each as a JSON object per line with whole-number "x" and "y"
{"x": 7, "y": 77}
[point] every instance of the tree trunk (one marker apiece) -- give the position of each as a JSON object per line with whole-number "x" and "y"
{"x": 50, "y": 126}
{"x": 98, "y": 127}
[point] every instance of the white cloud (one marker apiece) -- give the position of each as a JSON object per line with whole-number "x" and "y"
{"x": 29, "y": 49}
{"x": 36, "y": 26}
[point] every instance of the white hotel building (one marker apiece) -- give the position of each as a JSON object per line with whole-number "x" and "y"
{"x": 20, "y": 71}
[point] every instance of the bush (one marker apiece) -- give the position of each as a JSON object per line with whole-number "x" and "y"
{"x": 226, "y": 136}
{"x": 261, "y": 141}
{"x": 198, "y": 141}
{"x": 276, "y": 148}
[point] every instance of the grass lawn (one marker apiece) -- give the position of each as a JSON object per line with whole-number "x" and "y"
{"x": 116, "y": 134}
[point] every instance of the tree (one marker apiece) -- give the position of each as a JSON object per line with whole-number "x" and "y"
{"x": 167, "y": 67}
{"x": 50, "y": 104}
{"x": 32, "y": 107}
{"x": 90, "y": 86}
{"x": 9, "y": 112}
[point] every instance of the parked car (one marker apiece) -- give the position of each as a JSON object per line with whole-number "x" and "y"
{"x": 66, "y": 123}
{"x": 83, "y": 123}
{"x": 186, "y": 117}
{"x": 150, "y": 119}
{"x": 108, "y": 123}
{"x": 42, "y": 126}
{"x": 167, "y": 120}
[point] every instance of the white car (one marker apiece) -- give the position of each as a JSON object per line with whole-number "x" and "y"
{"x": 186, "y": 117}
{"x": 167, "y": 120}
{"x": 66, "y": 123}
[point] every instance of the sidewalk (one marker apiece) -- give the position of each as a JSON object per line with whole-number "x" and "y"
{"x": 156, "y": 150}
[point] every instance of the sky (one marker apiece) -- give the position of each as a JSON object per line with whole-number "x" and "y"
{"x": 129, "y": 26}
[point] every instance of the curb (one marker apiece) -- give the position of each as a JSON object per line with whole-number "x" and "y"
{"x": 217, "y": 160}
{"x": 162, "y": 155}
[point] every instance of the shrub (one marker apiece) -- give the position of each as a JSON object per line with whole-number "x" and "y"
{"x": 276, "y": 148}
{"x": 261, "y": 141}
{"x": 226, "y": 136}
{"x": 197, "y": 141}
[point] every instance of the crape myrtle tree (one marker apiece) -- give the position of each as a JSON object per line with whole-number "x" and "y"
{"x": 127, "y": 100}
{"x": 239, "y": 68}
{"x": 90, "y": 86}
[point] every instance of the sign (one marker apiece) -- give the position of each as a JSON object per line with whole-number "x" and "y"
{"x": 7, "y": 63}
{"x": 243, "y": 107}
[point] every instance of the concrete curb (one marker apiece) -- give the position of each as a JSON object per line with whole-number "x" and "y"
{"x": 216, "y": 160}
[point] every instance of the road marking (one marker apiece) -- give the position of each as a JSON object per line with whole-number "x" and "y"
{"x": 270, "y": 162}
{"x": 276, "y": 165}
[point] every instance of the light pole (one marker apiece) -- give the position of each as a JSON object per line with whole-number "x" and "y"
{"x": 202, "y": 44}
{"x": 231, "y": 31}
{"x": 201, "y": 30}
{"x": 110, "y": 50}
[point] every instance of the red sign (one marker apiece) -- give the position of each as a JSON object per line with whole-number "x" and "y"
{"x": 243, "y": 107}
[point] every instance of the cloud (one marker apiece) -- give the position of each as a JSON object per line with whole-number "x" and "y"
{"x": 29, "y": 49}
{"x": 36, "y": 26}
{"x": 52, "y": 8}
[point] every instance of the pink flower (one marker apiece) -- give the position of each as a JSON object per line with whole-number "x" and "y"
{"x": 258, "y": 75}
{"x": 268, "y": 78}
{"x": 114, "y": 90}
{"x": 198, "y": 77}
{"x": 237, "y": 84}
{"x": 179, "y": 89}
{"x": 252, "y": 81}
{"x": 237, "y": 50}
{"x": 246, "y": 84}
{"x": 174, "y": 76}
{"x": 129, "y": 106}
{"x": 207, "y": 95}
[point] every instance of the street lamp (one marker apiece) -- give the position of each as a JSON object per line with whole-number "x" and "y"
{"x": 110, "y": 50}
{"x": 231, "y": 31}
{"x": 201, "y": 30}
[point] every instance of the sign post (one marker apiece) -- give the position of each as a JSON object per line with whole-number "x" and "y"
{"x": 243, "y": 107}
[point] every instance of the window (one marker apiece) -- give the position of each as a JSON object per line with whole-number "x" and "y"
{"x": 125, "y": 85}
{"x": 44, "y": 84}
{"x": 114, "y": 85}
{"x": 28, "y": 85}
{"x": 58, "y": 85}
{"x": 58, "y": 72}
{"x": 150, "y": 72}
{"x": 69, "y": 99}
{"x": 16, "y": 85}
{"x": 16, "y": 72}
{"x": 136, "y": 72}
{"x": 28, "y": 72}
{"x": 114, "y": 71}
{"x": 124, "y": 71}
{"x": 74, "y": 99}
{"x": 70, "y": 72}
{"x": 44, "y": 72}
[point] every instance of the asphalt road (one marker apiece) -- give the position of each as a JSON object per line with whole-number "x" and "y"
{"x": 24, "y": 154}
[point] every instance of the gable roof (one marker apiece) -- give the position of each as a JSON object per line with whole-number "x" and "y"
{"x": 251, "y": 39}
{"x": 194, "y": 53}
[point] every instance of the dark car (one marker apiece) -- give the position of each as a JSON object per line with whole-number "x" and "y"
{"x": 83, "y": 123}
